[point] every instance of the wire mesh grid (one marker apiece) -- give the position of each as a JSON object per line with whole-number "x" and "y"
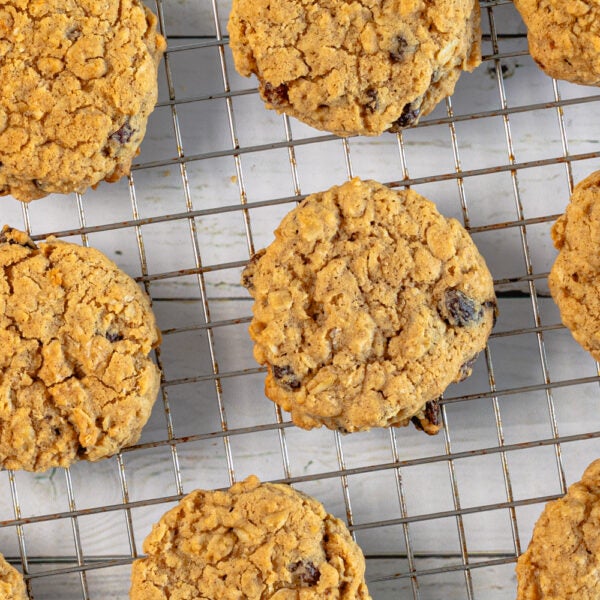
{"x": 436, "y": 517}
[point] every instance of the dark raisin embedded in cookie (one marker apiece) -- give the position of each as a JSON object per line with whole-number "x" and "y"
{"x": 410, "y": 115}
{"x": 113, "y": 336}
{"x": 304, "y": 573}
{"x": 248, "y": 272}
{"x": 124, "y": 133}
{"x": 401, "y": 49}
{"x": 432, "y": 411}
{"x": 430, "y": 421}
{"x": 373, "y": 99}
{"x": 462, "y": 311}
{"x": 8, "y": 235}
{"x": 286, "y": 377}
{"x": 276, "y": 95}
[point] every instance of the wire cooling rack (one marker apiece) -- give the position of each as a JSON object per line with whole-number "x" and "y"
{"x": 442, "y": 516}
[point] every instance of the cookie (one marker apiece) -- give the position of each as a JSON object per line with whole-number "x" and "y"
{"x": 253, "y": 541}
{"x": 564, "y": 37}
{"x": 563, "y": 558}
{"x": 367, "y": 305}
{"x": 574, "y": 279}
{"x": 79, "y": 80}
{"x": 76, "y": 381}
{"x": 12, "y": 586}
{"x": 355, "y": 67}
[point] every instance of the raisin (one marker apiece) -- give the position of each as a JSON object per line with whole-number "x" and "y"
{"x": 8, "y": 237}
{"x": 123, "y": 134}
{"x": 373, "y": 100}
{"x": 462, "y": 310}
{"x": 113, "y": 337}
{"x": 277, "y": 96}
{"x": 400, "y": 51}
{"x": 431, "y": 417}
{"x": 410, "y": 115}
{"x": 467, "y": 368}
{"x": 247, "y": 279}
{"x": 286, "y": 377}
{"x": 248, "y": 272}
{"x": 304, "y": 574}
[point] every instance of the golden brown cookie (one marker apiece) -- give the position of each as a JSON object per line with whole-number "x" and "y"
{"x": 78, "y": 84}
{"x": 76, "y": 381}
{"x": 367, "y": 305}
{"x": 562, "y": 561}
{"x": 355, "y": 67}
{"x": 574, "y": 279}
{"x": 254, "y": 541}
{"x": 564, "y": 37}
{"x": 12, "y": 586}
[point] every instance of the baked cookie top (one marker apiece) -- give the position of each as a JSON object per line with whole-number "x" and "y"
{"x": 367, "y": 305}
{"x": 563, "y": 558}
{"x": 12, "y": 586}
{"x": 355, "y": 67}
{"x": 574, "y": 279}
{"x": 78, "y": 83}
{"x": 254, "y": 541}
{"x": 76, "y": 381}
{"x": 564, "y": 37}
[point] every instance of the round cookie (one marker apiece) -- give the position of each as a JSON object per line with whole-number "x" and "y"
{"x": 367, "y": 305}
{"x": 355, "y": 67}
{"x": 79, "y": 80}
{"x": 253, "y": 541}
{"x": 574, "y": 279}
{"x": 76, "y": 381}
{"x": 12, "y": 586}
{"x": 564, "y": 37}
{"x": 563, "y": 558}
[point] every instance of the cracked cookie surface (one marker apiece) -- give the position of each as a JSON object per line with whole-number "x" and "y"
{"x": 564, "y": 37}
{"x": 563, "y": 557}
{"x": 76, "y": 381}
{"x": 12, "y": 586}
{"x": 574, "y": 279}
{"x": 79, "y": 80}
{"x": 367, "y": 305}
{"x": 355, "y": 67}
{"x": 254, "y": 541}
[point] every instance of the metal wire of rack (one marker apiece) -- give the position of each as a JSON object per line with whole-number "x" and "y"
{"x": 436, "y": 517}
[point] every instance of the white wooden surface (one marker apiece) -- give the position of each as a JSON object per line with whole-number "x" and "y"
{"x": 157, "y": 188}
